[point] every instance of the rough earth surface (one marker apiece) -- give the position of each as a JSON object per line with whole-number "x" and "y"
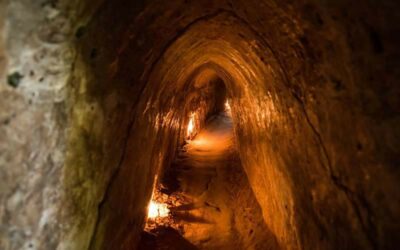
{"x": 95, "y": 97}
{"x": 217, "y": 208}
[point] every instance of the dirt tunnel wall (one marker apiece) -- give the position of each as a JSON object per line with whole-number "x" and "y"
{"x": 94, "y": 99}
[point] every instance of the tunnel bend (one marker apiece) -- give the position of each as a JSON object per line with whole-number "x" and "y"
{"x": 98, "y": 94}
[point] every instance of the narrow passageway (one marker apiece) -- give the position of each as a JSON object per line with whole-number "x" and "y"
{"x": 114, "y": 134}
{"x": 211, "y": 203}
{"x": 202, "y": 173}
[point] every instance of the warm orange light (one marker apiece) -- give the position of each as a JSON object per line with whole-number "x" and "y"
{"x": 156, "y": 209}
{"x": 190, "y": 128}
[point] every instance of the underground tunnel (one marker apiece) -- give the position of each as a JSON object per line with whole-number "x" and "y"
{"x": 209, "y": 124}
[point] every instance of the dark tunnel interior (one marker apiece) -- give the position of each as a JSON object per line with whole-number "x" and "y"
{"x": 207, "y": 124}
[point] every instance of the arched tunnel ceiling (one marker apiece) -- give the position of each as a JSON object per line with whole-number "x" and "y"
{"x": 221, "y": 42}
{"x": 314, "y": 94}
{"x": 272, "y": 75}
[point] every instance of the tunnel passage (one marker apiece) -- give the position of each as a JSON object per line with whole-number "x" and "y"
{"x": 204, "y": 200}
{"x": 96, "y": 97}
{"x": 281, "y": 128}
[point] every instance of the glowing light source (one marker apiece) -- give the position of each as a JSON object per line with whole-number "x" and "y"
{"x": 156, "y": 209}
{"x": 227, "y": 106}
{"x": 190, "y": 127}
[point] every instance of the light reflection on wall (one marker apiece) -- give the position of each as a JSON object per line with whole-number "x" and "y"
{"x": 191, "y": 126}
